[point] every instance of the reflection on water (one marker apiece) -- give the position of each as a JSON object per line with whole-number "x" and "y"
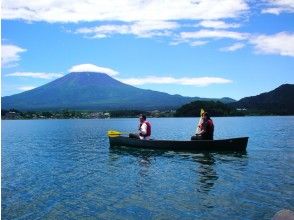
{"x": 205, "y": 162}
{"x": 207, "y": 172}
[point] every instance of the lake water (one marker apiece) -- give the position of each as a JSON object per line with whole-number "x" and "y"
{"x": 64, "y": 169}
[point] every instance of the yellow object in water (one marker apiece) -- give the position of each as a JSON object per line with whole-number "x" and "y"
{"x": 113, "y": 133}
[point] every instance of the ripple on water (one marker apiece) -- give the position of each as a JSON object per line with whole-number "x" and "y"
{"x": 64, "y": 169}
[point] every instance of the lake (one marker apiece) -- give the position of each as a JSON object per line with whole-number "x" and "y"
{"x": 64, "y": 169}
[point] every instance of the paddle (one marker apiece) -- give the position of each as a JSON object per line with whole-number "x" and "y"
{"x": 113, "y": 133}
{"x": 200, "y": 121}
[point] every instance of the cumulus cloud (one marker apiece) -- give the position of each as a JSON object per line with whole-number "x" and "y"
{"x": 217, "y": 24}
{"x": 281, "y": 44}
{"x": 194, "y": 81}
{"x": 279, "y": 6}
{"x": 35, "y": 75}
{"x": 205, "y": 34}
{"x": 234, "y": 47}
{"x": 26, "y": 88}
{"x": 92, "y": 68}
{"x": 140, "y": 29}
{"x": 117, "y": 10}
{"x": 10, "y": 55}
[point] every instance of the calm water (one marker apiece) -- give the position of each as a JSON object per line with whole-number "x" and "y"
{"x": 64, "y": 169}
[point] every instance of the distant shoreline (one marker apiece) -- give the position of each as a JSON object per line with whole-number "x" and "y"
{"x": 135, "y": 117}
{"x": 215, "y": 109}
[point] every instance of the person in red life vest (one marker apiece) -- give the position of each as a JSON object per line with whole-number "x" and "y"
{"x": 206, "y": 129}
{"x": 144, "y": 129}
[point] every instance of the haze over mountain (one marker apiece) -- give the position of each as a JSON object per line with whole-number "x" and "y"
{"x": 93, "y": 91}
{"x": 278, "y": 101}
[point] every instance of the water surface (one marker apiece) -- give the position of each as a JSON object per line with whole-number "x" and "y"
{"x": 64, "y": 169}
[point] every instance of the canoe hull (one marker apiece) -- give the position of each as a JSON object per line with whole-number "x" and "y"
{"x": 232, "y": 144}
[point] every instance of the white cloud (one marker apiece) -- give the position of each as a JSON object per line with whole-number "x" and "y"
{"x": 217, "y": 24}
{"x": 35, "y": 75}
{"x": 198, "y": 43}
{"x": 103, "y": 31}
{"x": 153, "y": 28}
{"x": 281, "y": 43}
{"x": 10, "y": 54}
{"x": 117, "y": 10}
{"x": 26, "y": 88}
{"x": 192, "y": 43}
{"x": 133, "y": 17}
{"x": 195, "y": 81}
{"x": 279, "y": 6}
{"x": 141, "y": 29}
{"x": 92, "y": 68}
{"x": 234, "y": 47}
{"x": 205, "y": 34}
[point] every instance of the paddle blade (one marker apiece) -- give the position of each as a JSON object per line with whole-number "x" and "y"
{"x": 113, "y": 133}
{"x": 201, "y": 111}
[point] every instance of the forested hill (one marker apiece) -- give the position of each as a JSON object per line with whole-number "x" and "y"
{"x": 214, "y": 108}
{"x": 279, "y": 101}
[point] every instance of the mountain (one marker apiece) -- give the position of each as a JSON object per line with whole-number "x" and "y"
{"x": 278, "y": 101}
{"x": 214, "y": 108}
{"x": 225, "y": 100}
{"x": 92, "y": 91}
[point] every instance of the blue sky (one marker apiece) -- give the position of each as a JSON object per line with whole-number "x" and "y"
{"x": 228, "y": 48}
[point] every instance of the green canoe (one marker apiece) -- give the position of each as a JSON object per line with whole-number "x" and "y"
{"x": 232, "y": 144}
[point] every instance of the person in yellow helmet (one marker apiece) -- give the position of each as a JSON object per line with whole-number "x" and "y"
{"x": 205, "y": 128}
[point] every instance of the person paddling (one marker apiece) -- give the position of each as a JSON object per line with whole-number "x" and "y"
{"x": 206, "y": 129}
{"x": 144, "y": 129}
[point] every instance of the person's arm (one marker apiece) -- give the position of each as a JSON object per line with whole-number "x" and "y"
{"x": 143, "y": 130}
{"x": 202, "y": 132}
{"x": 139, "y": 127}
{"x": 203, "y": 128}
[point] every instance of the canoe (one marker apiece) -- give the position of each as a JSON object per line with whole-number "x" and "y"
{"x": 232, "y": 144}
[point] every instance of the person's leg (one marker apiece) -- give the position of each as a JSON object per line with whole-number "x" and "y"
{"x": 208, "y": 137}
{"x": 196, "y": 137}
{"x": 134, "y": 136}
{"x": 193, "y": 138}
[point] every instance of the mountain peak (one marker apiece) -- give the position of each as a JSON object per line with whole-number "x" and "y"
{"x": 285, "y": 86}
{"x": 89, "y": 73}
{"x": 89, "y": 90}
{"x": 91, "y": 68}
{"x": 86, "y": 79}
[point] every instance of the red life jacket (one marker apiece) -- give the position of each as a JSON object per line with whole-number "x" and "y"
{"x": 211, "y": 126}
{"x": 148, "y": 133}
{"x": 209, "y": 129}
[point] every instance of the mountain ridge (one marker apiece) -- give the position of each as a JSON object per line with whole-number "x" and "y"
{"x": 94, "y": 91}
{"x": 277, "y": 101}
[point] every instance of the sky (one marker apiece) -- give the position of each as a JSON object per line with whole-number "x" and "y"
{"x": 204, "y": 48}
